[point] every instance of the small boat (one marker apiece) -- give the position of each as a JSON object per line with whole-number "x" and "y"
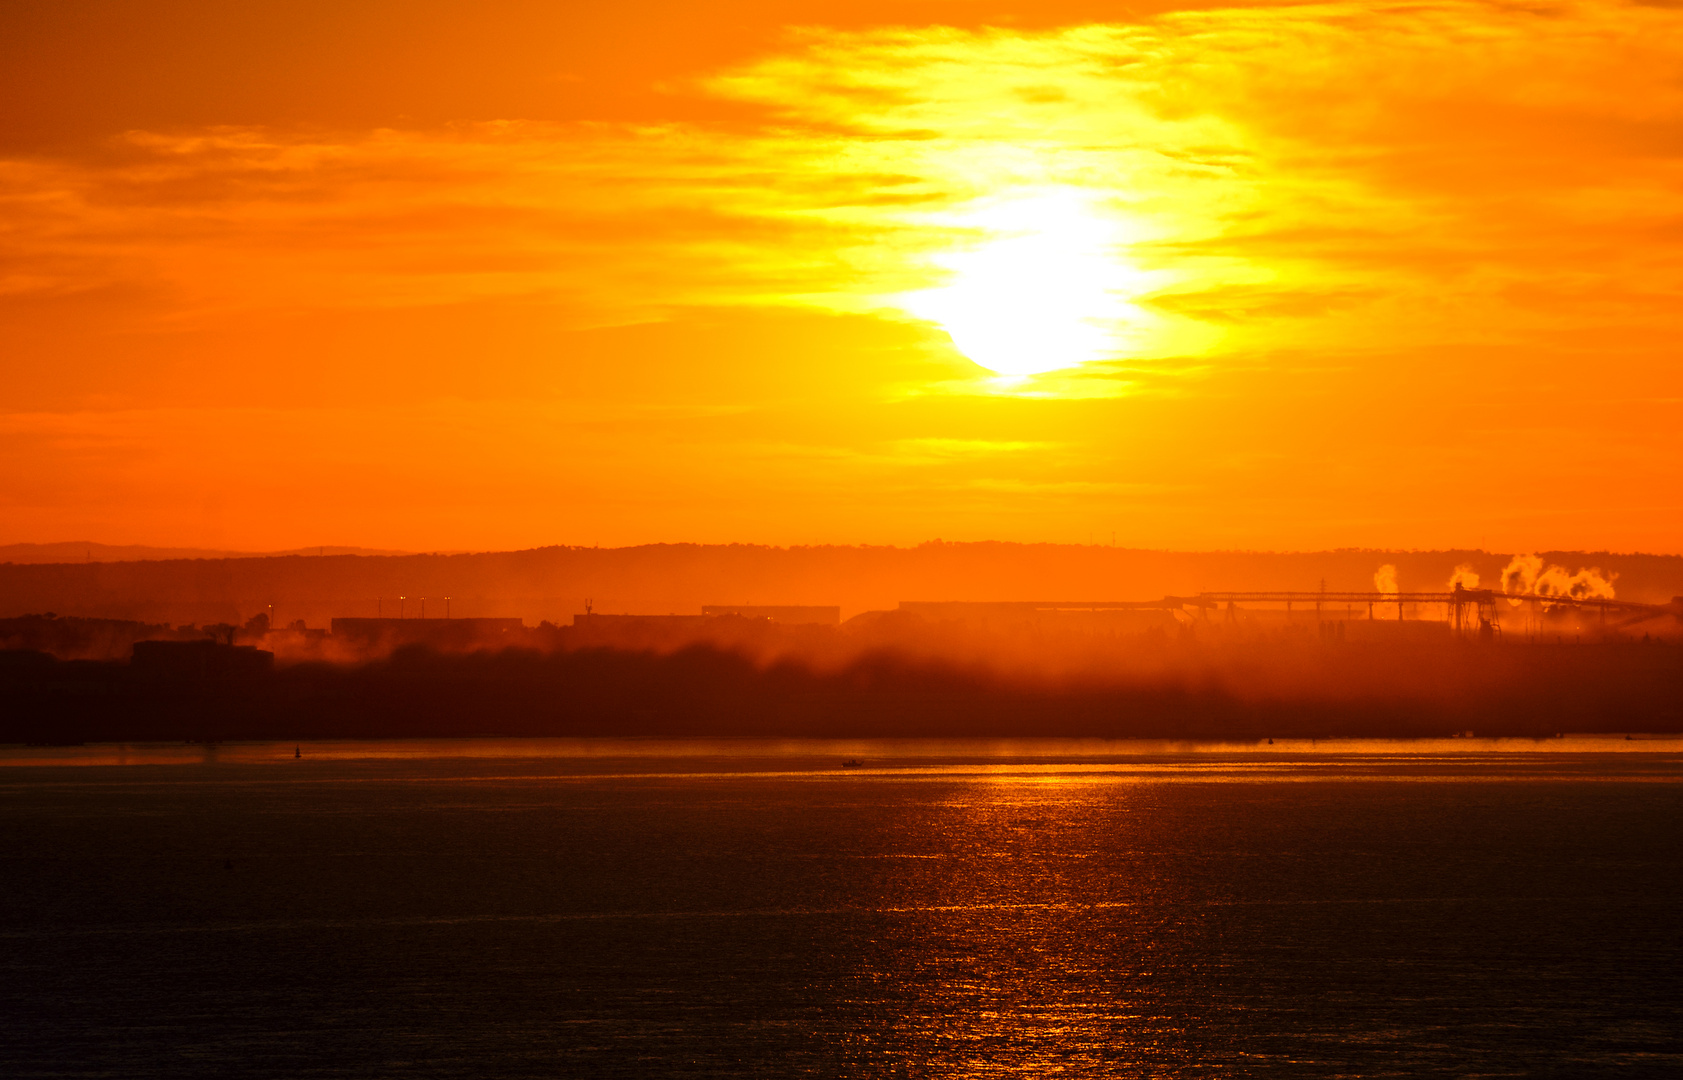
{"x": 852, "y": 763}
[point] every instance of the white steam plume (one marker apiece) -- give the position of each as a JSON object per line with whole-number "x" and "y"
{"x": 1385, "y": 579}
{"x": 1528, "y": 575}
{"x": 1464, "y": 577}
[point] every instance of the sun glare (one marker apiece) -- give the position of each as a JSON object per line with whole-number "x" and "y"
{"x": 1044, "y": 290}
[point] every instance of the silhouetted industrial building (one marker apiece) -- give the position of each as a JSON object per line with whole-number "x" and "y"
{"x": 1080, "y": 617}
{"x": 797, "y": 614}
{"x": 439, "y": 633}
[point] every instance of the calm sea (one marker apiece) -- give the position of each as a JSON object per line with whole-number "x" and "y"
{"x": 755, "y": 909}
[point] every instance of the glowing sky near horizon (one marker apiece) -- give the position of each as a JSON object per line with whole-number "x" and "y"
{"x": 472, "y": 276}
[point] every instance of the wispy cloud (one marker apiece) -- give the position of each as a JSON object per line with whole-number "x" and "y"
{"x": 1437, "y": 168}
{"x": 1350, "y": 213}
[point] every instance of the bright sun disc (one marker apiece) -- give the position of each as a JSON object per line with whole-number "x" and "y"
{"x": 1043, "y": 292}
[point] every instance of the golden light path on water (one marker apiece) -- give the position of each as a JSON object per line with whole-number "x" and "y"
{"x": 753, "y": 908}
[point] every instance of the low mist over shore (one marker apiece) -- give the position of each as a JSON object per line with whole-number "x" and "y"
{"x": 985, "y": 639}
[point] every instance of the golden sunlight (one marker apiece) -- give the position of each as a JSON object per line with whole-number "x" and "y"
{"x": 1044, "y": 290}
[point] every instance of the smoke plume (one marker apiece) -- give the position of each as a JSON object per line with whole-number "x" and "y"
{"x": 1528, "y": 575}
{"x": 1385, "y": 579}
{"x": 1464, "y": 577}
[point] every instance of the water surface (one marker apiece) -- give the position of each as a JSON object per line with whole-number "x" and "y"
{"x": 752, "y": 908}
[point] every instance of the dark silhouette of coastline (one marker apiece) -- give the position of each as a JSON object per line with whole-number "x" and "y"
{"x": 1401, "y": 650}
{"x": 897, "y": 675}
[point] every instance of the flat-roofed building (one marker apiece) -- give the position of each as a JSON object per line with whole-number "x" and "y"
{"x": 439, "y": 633}
{"x": 791, "y": 614}
{"x": 1057, "y": 616}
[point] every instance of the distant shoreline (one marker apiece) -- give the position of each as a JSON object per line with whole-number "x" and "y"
{"x": 586, "y": 756}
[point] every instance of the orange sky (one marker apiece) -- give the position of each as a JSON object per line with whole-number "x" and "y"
{"x": 500, "y": 274}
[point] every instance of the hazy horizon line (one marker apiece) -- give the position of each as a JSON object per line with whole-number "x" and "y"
{"x": 63, "y": 551}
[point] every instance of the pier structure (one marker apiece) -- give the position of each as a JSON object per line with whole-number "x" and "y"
{"x": 1467, "y": 611}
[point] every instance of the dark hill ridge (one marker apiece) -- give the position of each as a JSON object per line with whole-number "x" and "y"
{"x": 555, "y": 582}
{"x": 86, "y": 551}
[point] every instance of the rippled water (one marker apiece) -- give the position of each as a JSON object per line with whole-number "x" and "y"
{"x": 606, "y": 909}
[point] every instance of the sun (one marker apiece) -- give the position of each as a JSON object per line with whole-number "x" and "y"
{"x": 1044, "y": 290}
